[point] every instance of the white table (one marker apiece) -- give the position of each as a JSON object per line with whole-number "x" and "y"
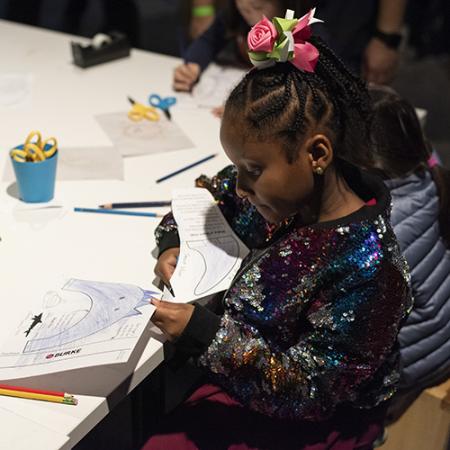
{"x": 58, "y": 243}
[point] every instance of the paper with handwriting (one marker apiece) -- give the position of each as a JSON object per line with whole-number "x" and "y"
{"x": 210, "y": 251}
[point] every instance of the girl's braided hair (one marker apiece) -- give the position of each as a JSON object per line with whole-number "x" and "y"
{"x": 282, "y": 102}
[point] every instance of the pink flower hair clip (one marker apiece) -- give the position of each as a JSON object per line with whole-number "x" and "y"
{"x": 283, "y": 39}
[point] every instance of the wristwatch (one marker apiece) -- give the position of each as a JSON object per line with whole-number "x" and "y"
{"x": 391, "y": 40}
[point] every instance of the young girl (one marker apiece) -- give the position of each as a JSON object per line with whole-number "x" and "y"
{"x": 421, "y": 221}
{"x": 230, "y": 25}
{"x": 303, "y": 355}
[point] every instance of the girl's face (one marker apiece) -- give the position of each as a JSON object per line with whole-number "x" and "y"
{"x": 276, "y": 188}
{"x": 253, "y": 10}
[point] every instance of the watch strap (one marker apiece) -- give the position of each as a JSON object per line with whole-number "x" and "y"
{"x": 392, "y": 40}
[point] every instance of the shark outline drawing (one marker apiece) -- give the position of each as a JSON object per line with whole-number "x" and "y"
{"x": 110, "y": 303}
{"x": 224, "y": 245}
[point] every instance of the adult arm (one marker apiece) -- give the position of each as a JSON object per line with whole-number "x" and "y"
{"x": 380, "y": 61}
{"x": 204, "y": 49}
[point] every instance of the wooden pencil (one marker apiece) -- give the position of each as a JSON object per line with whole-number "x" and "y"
{"x": 35, "y": 396}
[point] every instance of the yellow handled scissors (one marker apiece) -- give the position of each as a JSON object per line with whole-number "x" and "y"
{"x": 139, "y": 112}
{"x": 35, "y": 151}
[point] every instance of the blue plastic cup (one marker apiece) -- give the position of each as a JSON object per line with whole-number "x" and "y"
{"x": 36, "y": 180}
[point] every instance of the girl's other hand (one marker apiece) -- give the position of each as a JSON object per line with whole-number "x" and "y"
{"x": 171, "y": 318}
{"x": 167, "y": 261}
{"x": 218, "y": 111}
{"x": 185, "y": 76}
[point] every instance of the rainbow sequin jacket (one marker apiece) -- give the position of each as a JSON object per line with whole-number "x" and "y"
{"x": 310, "y": 321}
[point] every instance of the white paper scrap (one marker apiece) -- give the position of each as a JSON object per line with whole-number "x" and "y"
{"x": 19, "y": 433}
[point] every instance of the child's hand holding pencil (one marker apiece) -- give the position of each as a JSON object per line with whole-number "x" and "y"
{"x": 185, "y": 76}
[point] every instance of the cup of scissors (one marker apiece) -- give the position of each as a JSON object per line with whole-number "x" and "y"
{"x": 34, "y": 164}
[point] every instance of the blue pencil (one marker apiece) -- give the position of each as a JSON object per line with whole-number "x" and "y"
{"x": 196, "y": 163}
{"x": 116, "y": 211}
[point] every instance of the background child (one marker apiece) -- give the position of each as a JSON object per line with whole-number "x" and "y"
{"x": 304, "y": 351}
{"x": 421, "y": 220}
{"x": 230, "y": 26}
{"x": 198, "y": 16}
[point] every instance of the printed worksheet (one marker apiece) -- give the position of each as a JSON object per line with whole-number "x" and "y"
{"x": 210, "y": 251}
{"x": 82, "y": 324}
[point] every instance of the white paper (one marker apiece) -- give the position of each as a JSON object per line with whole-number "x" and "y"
{"x": 82, "y": 324}
{"x": 210, "y": 251}
{"x": 20, "y": 433}
{"x": 144, "y": 137}
{"x": 214, "y": 87}
{"x": 54, "y": 418}
{"x": 97, "y": 163}
{"x": 15, "y": 91}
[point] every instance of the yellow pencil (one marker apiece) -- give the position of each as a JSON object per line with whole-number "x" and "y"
{"x": 36, "y": 396}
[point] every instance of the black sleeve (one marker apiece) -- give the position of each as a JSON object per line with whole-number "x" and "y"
{"x": 199, "y": 332}
{"x": 168, "y": 240}
{"x": 204, "y": 49}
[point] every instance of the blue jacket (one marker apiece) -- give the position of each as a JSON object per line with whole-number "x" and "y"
{"x": 425, "y": 338}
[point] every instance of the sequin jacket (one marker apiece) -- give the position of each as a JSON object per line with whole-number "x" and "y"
{"x": 310, "y": 321}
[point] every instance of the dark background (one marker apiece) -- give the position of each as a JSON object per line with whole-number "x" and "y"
{"x": 423, "y": 77}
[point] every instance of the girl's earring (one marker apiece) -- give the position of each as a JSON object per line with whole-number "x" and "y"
{"x": 317, "y": 169}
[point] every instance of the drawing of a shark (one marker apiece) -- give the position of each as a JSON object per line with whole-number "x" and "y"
{"x": 109, "y": 303}
{"x": 35, "y": 320}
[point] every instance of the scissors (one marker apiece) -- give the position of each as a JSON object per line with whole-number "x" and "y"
{"x": 162, "y": 103}
{"x": 139, "y": 112}
{"x": 35, "y": 151}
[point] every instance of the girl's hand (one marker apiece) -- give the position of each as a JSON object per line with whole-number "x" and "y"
{"x": 167, "y": 261}
{"x": 185, "y": 76}
{"x": 171, "y": 318}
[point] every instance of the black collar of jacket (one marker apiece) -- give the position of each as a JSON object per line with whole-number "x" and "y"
{"x": 367, "y": 186}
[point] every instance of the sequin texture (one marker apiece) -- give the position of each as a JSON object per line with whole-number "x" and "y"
{"x": 311, "y": 319}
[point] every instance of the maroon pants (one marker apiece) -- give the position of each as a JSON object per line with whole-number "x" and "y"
{"x": 211, "y": 420}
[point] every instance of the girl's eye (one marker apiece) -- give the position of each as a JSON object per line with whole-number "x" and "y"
{"x": 254, "y": 171}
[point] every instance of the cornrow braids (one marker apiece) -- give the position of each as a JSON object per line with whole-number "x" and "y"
{"x": 283, "y": 102}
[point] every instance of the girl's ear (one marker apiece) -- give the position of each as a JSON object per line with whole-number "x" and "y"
{"x": 320, "y": 152}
